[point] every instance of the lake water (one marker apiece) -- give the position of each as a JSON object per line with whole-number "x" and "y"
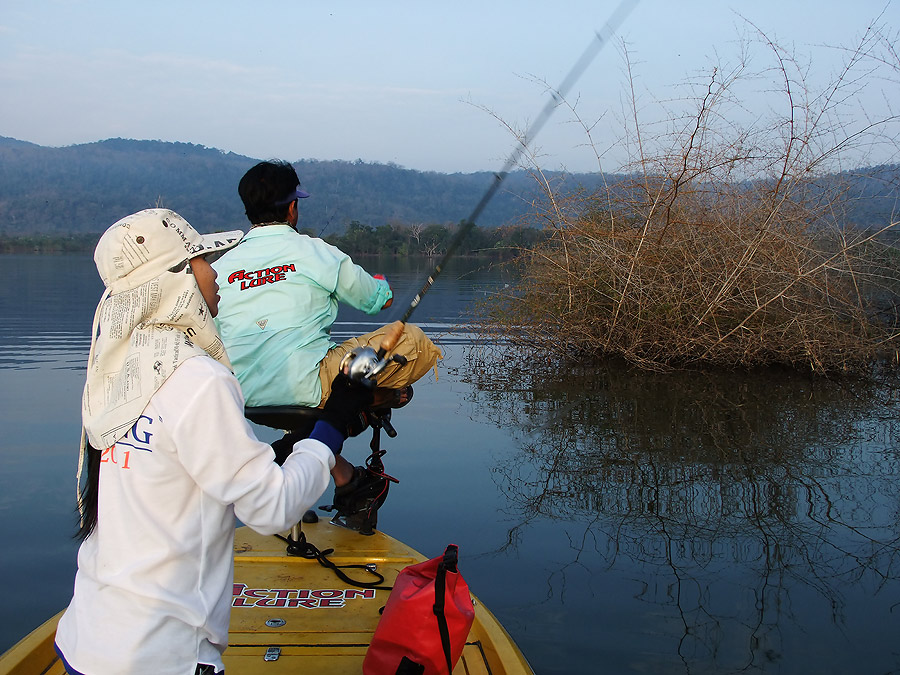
{"x": 614, "y": 521}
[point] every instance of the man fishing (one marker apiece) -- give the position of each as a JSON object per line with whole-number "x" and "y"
{"x": 280, "y": 296}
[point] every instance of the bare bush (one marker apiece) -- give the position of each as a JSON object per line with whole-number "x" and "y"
{"x": 724, "y": 243}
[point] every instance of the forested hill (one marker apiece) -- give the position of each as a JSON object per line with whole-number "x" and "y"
{"x": 85, "y": 188}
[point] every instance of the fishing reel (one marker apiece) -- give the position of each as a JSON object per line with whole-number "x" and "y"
{"x": 363, "y": 364}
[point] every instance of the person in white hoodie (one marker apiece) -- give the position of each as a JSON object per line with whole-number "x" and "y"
{"x": 172, "y": 462}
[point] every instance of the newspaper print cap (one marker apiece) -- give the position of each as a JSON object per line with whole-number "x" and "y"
{"x": 144, "y": 245}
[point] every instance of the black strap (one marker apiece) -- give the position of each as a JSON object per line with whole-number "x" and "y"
{"x": 440, "y": 585}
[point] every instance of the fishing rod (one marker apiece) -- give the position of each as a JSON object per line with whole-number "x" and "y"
{"x": 362, "y": 364}
{"x": 601, "y": 37}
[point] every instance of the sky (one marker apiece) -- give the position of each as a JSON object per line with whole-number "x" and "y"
{"x": 425, "y": 85}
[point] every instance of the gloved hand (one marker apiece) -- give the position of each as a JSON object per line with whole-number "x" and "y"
{"x": 345, "y": 404}
{"x": 391, "y": 299}
{"x": 358, "y": 501}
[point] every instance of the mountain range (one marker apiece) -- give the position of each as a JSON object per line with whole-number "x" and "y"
{"x": 84, "y": 188}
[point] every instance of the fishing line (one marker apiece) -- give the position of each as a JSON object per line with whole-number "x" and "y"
{"x": 600, "y": 39}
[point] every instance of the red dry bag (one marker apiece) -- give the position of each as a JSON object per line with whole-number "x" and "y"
{"x": 425, "y": 622}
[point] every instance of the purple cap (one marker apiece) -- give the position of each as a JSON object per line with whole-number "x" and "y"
{"x": 296, "y": 194}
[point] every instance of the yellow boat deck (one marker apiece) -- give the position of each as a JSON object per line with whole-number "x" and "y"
{"x": 291, "y": 614}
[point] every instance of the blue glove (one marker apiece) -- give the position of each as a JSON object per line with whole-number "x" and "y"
{"x": 345, "y": 407}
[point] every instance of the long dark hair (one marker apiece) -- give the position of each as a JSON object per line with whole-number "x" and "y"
{"x": 89, "y": 494}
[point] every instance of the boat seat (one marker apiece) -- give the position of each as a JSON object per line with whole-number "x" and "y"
{"x": 284, "y": 417}
{"x": 301, "y": 419}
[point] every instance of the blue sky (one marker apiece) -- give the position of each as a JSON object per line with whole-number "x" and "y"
{"x": 403, "y": 82}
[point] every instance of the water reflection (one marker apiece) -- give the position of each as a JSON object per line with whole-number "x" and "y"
{"x": 745, "y": 509}
{"x": 47, "y": 311}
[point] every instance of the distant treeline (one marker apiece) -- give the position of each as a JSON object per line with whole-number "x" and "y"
{"x": 48, "y": 243}
{"x": 359, "y": 239}
{"x": 433, "y": 240}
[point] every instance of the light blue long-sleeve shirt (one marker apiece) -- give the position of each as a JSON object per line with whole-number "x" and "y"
{"x": 279, "y": 295}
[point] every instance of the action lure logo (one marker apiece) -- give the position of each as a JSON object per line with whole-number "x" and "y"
{"x": 320, "y": 598}
{"x": 268, "y": 275}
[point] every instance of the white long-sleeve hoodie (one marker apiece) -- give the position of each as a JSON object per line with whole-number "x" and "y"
{"x": 154, "y": 581}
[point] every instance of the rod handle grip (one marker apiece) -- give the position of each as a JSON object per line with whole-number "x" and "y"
{"x": 391, "y": 338}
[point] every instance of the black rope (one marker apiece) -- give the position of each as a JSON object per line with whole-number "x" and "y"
{"x": 306, "y": 549}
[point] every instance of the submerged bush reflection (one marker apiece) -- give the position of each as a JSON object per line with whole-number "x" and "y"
{"x": 739, "y": 501}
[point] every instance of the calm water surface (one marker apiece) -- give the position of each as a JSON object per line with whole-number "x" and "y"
{"x": 615, "y": 522}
